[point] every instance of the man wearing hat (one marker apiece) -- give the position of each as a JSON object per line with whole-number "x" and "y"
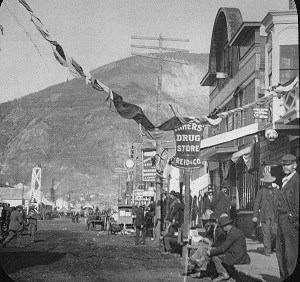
{"x": 233, "y": 251}
{"x": 15, "y": 226}
{"x": 266, "y": 206}
{"x": 207, "y": 200}
{"x": 288, "y": 218}
{"x": 176, "y": 218}
{"x": 221, "y": 203}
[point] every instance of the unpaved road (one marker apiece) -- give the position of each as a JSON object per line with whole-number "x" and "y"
{"x": 65, "y": 251}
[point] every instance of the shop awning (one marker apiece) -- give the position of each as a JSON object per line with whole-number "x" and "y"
{"x": 217, "y": 154}
{"x": 245, "y": 153}
{"x": 232, "y": 135}
{"x": 241, "y": 153}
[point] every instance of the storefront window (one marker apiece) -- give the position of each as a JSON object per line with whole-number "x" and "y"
{"x": 289, "y": 62}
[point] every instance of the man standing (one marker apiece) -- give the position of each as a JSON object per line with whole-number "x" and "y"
{"x": 207, "y": 200}
{"x": 221, "y": 203}
{"x": 232, "y": 251}
{"x": 140, "y": 225}
{"x": 266, "y": 201}
{"x": 32, "y": 223}
{"x": 15, "y": 226}
{"x": 288, "y": 218}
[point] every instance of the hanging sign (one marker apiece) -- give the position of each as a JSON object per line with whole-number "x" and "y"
{"x": 149, "y": 170}
{"x": 188, "y": 138}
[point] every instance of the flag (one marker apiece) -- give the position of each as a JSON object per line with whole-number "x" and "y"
{"x": 288, "y": 86}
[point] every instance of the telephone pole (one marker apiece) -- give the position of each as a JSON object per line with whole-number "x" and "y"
{"x": 160, "y": 57}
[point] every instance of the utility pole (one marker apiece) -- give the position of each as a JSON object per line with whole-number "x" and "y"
{"x": 159, "y": 56}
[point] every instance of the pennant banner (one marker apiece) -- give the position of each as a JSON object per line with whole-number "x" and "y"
{"x": 131, "y": 111}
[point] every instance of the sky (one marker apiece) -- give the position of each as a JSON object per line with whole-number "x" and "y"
{"x": 97, "y": 32}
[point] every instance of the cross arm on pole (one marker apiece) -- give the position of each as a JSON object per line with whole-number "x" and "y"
{"x": 159, "y": 48}
{"x": 160, "y": 58}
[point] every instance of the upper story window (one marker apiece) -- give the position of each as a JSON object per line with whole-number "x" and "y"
{"x": 289, "y": 62}
{"x": 234, "y": 60}
{"x": 246, "y": 45}
{"x": 239, "y": 102}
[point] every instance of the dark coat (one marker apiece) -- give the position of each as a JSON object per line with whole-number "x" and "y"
{"x": 221, "y": 204}
{"x": 177, "y": 213}
{"x": 207, "y": 204}
{"x": 261, "y": 203}
{"x": 288, "y": 200}
{"x": 216, "y": 234}
{"x": 234, "y": 248}
{"x": 16, "y": 221}
{"x": 32, "y": 217}
{"x": 140, "y": 219}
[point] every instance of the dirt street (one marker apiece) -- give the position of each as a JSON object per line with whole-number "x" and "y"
{"x": 65, "y": 251}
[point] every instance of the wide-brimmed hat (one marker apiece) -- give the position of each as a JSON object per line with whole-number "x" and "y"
{"x": 288, "y": 159}
{"x": 223, "y": 221}
{"x": 172, "y": 193}
{"x": 267, "y": 177}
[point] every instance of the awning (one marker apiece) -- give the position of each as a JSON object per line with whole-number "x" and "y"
{"x": 218, "y": 154}
{"x": 245, "y": 153}
{"x": 232, "y": 135}
{"x": 241, "y": 153}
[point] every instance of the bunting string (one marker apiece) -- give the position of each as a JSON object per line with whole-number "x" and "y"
{"x": 130, "y": 111}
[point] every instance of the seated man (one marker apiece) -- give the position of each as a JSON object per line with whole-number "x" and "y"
{"x": 176, "y": 219}
{"x": 232, "y": 251}
{"x": 215, "y": 236}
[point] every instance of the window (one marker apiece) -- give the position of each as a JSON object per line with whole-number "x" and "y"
{"x": 230, "y": 125}
{"x": 289, "y": 62}
{"x": 239, "y": 102}
{"x": 235, "y": 60}
{"x": 246, "y": 45}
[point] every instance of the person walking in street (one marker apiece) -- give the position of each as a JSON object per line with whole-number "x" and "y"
{"x": 140, "y": 225}
{"x": 288, "y": 218}
{"x": 232, "y": 252}
{"x": 32, "y": 223}
{"x": 221, "y": 203}
{"x": 266, "y": 207}
{"x": 15, "y": 227}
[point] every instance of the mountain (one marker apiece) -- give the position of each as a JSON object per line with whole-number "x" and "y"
{"x": 78, "y": 140}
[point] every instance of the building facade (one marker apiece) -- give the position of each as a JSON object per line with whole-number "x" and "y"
{"x": 243, "y": 66}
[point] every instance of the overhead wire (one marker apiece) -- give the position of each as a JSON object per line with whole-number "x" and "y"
{"x": 27, "y": 34}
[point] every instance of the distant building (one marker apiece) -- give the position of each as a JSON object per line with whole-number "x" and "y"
{"x": 61, "y": 205}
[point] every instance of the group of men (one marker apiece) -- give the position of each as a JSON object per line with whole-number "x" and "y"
{"x": 20, "y": 224}
{"x": 278, "y": 210}
{"x": 219, "y": 203}
{"x": 144, "y": 223}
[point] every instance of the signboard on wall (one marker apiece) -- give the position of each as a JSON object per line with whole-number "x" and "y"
{"x": 148, "y": 170}
{"x": 188, "y": 138}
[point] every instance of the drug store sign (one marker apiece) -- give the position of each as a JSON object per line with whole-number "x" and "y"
{"x": 187, "y": 139}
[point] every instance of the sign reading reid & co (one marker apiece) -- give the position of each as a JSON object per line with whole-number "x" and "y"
{"x": 188, "y": 138}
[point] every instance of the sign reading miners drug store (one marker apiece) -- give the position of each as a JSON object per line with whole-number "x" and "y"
{"x": 187, "y": 139}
